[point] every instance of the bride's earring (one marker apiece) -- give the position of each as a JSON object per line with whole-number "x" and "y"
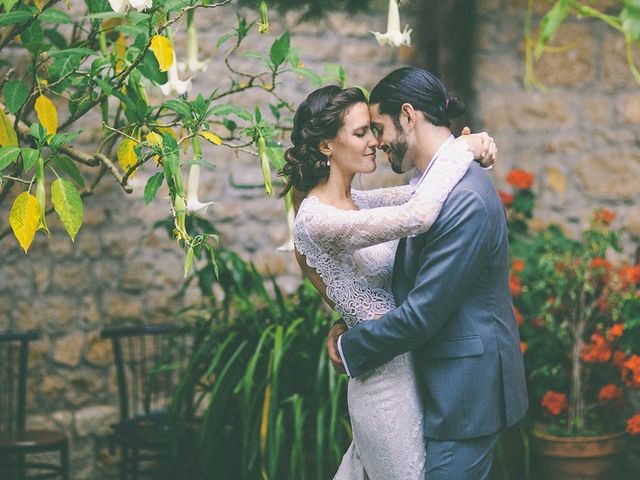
{"x": 328, "y": 162}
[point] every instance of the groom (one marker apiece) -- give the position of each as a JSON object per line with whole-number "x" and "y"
{"x": 451, "y": 285}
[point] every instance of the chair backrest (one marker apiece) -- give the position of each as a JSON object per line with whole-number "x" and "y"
{"x": 14, "y": 353}
{"x": 150, "y": 361}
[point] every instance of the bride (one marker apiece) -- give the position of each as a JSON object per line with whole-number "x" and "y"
{"x": 345, "y": 242}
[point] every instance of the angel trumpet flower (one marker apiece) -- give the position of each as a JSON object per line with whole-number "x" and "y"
{"x": 174, "y": 84}
{"x": 192, "y": 64}
{"x": 193, "y": 204}
{"x": 394, "y": 36}
{"x": 119, "y": 6}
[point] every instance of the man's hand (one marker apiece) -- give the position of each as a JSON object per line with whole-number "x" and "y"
{"x": 482, "y": 145}
{"x": 332, "y": 347}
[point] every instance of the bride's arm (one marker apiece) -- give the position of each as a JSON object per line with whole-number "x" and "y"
{"x": 383, "y": 197}
{"x": 350, "y": 229}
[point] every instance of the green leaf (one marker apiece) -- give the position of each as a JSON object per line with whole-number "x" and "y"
{"x": 224, "y": 38}
{"x": 33, "y": 37}
{"x": 83, "y": 52}
{"x": 225, "y": 109}
{"x": 53, "y": 15}
{"x": 9, "y": 4}
{"x": 276, "y": 157}
{"x": 178, "y": 106}
{"x": 69, "y": 167}
{"x": 150, "y": 68}
{"x": 188, "y": 262}
{"x": 29, "y": 158}
{"x": 280, "y": 49}
{"x": 630, "y": 17}
{"x": 550, "y": 24}
{"x": 8, "y": 155}
{"x": 15, "y": 94}
{"x": 63, "y": 65}
{"x": 309, "y": 74}
{"x": 152, "y": 186}
{"x": 56, "y": 38}
{"x": 12, "y": 18}
{"x": 68, "y": 205}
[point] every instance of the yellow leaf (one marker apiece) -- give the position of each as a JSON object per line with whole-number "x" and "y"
{"x": 127, "y": 155}
{"x": 154, "y": 138}
{"x": 163, "y": 50}
{"x": 212, "y": 137}
{"x": 8, "y": 137}
{"x": 47, "y": 114}
{"x": 38, "y": 4}
{"x": 168, "y": 130}
{"x": 264, "y": 424}
{"x": 24, "y": 219}
{"x": 556, "y": 180}
{"x": 120, "y": 49}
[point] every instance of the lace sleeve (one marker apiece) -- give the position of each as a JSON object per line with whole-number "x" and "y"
{"x": 355, "y": 229}
{"x": 383, "y": 197}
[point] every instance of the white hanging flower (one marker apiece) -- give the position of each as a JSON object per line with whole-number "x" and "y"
{"x": 193, "y": 204}
{"x": 394, "y": 36}
{"x": 141, "y": 5}
{"x": 288, "y": 245}
{"x": 174, "y": 84}
{"x": 192, "y": 64}
{"x": 119, "y": 6}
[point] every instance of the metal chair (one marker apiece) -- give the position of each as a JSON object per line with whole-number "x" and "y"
{"x": 150, "y": 361}
{"x": 17, "y": 443}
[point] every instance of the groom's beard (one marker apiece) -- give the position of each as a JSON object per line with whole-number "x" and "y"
{"x": 397, "y": 150}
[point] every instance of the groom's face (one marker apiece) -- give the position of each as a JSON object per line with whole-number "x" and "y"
{"x": 391, "y": 139}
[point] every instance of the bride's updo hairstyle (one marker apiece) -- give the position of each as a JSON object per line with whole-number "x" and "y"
{"x": 319, "y": 117}
{"x": 422, "y": 90}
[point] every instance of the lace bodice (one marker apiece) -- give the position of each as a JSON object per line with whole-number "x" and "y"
{"x": 353, "y": 250}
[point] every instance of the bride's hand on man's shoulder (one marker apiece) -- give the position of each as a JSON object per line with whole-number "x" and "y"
{"x": 482, "y": 146}
{"x": 332, "y": 347}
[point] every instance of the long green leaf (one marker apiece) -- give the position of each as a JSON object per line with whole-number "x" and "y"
{"x": 68, "y": 205}
{"x": 15, "y": 94}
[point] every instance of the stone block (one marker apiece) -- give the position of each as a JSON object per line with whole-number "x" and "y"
{"x": 121, "y": 306}
{"x": 629, "y": 108}
{"x": 68, "y": 349}
{"x": 99, "y": 350}
{"x": 498, "y": 71}
{"x": 610, "y": 174}
{"x": 84, "y": 387}
{"x": 615, "y": 69}
{"x": 71, "y": 276}
{"x": 632, "y": 224}
{"x": 88, "y": 310}
{"x": 571, "y": 64}
{"x": 596, "y": 109}
{"x": 95, "y": 420}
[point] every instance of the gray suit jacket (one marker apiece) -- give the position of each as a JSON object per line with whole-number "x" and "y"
{"x": 455, "y": 312}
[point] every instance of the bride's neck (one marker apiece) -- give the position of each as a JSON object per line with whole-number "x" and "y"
{"x": 335, "y": 190}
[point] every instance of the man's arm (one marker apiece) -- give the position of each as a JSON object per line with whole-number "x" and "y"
{"x": 449, "y": 264}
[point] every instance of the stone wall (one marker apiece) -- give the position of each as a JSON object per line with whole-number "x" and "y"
{"x": 579, "y": 135}
{"x": 580, "y": 138}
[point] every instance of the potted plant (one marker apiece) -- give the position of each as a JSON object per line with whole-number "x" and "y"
{"x": 579, "y": 318}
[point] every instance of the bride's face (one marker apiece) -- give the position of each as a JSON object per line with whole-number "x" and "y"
{"x": 353, "y": 150}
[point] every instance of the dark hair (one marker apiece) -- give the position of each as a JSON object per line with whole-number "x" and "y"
{"x": 319, "y": 117}
{"x": 423, "y": 90}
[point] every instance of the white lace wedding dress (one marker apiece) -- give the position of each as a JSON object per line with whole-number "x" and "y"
{"x": 353, "y": 252}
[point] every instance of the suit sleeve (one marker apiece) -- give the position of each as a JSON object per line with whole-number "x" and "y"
{"x": 450, "y": 262}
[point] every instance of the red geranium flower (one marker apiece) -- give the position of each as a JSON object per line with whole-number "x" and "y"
{"x": 610, "y": 393}
{"x": 629, "y": 275}
{"x": 633, "y": 425}
{"x": 518, "y": 315}
{"x": 507, "y": 198}
{"x": 615, "y": 331}
{"x": 520, "y": 179}
{"x": 523, "y": 347}
{"x": 515, "y": 285}
{"x": 604, "y": 215}
{"x": 555, "y": 402}
{"x": 631, "y": 371}
{"x": 597, "y": 351}
{"x": 517, "y": 265}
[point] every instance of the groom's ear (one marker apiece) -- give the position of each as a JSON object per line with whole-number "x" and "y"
{"x": 408, "y": 114}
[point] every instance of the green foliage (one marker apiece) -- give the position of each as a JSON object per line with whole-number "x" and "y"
{"x": 271, "y": 405}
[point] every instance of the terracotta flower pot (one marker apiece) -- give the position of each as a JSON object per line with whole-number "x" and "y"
{"x": 577, "y": 458}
